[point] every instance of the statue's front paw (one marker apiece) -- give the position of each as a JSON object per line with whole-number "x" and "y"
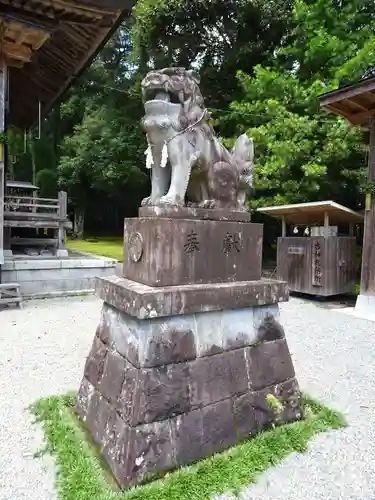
{"x": 149, "y": 201}
{"x": 145, "y": 201}
{"x": 208, "y": 204}
{"x": 169, "y": 200}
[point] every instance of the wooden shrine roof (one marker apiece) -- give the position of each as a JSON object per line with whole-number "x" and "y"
{"x": 355, "y": 102}
{"x": 47, "y": 44}
{"x": 313, "y": 213}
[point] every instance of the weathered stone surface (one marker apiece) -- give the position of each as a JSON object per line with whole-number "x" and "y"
{"x": 269, "y": 363}
{"x": 99, "y": 412}
{"x": 135, "y": 454}
{"x": 146, "y": 302}
{"x": 208, "y": 333}
{"x": 103, "y": 330}
{"x": 198, "y": 251}
{"x": 245, "y": 417}
{"x": 210, "y": 381}
{"x": 219, "y": 430}
{"x": 123, "y": 333}
{"x": 238, "y": 371}
{"x": 151, "y": 451}
{"x": 115, "y": 451}
{"x": 237, "y": 328}
{"x": 287, "y": 393}
{"x": 113, "y": 377}
{"x": 128, "y": 399}
{"x": 290, "y": 395}
{"x": 161, "y": 341}
{"x": 95, "y": 362}
{"x": 179, "y": 212}
{"x": 85, "y": 392}
{"x": 267, "y": 323}
{"x": 162, "y": 393}
{"x": 203, "y": 432}
{"x": 169, "y": 343}
{"x": 253, "y": 413}
{"x": 150, "y": 343}
{"x": 265, "y": 311}
{"x": 187, "y": 431}
{"x": 270, "y": 329}
{"x": 218, "y": 377}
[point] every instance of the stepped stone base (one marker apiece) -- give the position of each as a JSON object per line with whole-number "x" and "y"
{"x": 164, "y": 391}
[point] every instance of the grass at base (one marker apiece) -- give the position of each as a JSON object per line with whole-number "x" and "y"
{"x": 83, "y": 476}
{"x": 106, "y": 247}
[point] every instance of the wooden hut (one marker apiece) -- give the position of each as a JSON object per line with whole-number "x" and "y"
{"x": 356, "y": 104}
{"x": 44, "y": 46}
{"x": 316, "y": 253}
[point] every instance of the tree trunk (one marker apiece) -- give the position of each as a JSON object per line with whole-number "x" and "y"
{"x": 79, "y": 222}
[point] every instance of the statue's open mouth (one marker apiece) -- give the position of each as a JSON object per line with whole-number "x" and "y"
{"x": 160, "y": 94}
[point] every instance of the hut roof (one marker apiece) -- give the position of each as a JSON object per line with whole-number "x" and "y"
{"x": 355, "y": 102}
{"x": 313, "y": 213}
{"x": 21, "y": 185}
{"x": 48, "y": 43}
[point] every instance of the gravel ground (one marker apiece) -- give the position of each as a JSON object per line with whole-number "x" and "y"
{"x": 44, "y": 346}
{"x": 43, "y": 349}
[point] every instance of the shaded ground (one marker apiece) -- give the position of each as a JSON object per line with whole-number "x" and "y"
{"x": 44, "y": 346}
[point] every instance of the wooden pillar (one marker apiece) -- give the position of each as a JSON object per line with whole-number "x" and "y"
{"x": 61, "y": 237}
{"x": 3, "y": 92}
{"x": 326, "y": 225}
{"x": 283, "y": 227}
{"x": 368, "y": 252}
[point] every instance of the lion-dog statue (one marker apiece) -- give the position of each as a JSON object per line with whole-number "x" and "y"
{"x": 187, "y": 159}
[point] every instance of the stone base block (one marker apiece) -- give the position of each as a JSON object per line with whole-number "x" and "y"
{"x": 365, "y": 307}
{"x": 162, "y": 392}
{"x": 146, "y": 302}
{"x": 170, "y": 252}
{"x": 62, "y": 253}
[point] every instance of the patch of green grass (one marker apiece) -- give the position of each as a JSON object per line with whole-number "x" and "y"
{"x": 106, "y": 247}
{"x": 83, "y": 476}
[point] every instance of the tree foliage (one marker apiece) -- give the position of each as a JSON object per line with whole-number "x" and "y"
{"x": 303, "y": 154}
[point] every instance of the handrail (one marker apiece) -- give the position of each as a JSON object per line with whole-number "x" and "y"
{"x": 34, "y": 205}
{"x": 30, "y": 204}
{"x": 55, "y": 200}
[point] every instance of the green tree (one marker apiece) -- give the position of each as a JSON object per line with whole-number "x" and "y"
{"x": 302, "y": 153}
{"x": 214, "y": 36}
{"x": 105, "y": 151}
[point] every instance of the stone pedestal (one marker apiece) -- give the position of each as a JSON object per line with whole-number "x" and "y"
{"x": 163, "y": 252}
{"x": 180, "y": 371}
{"x": 365, "y": 307}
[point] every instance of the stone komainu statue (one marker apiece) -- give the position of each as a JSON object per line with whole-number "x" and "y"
{"x": 185, "y": 155}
